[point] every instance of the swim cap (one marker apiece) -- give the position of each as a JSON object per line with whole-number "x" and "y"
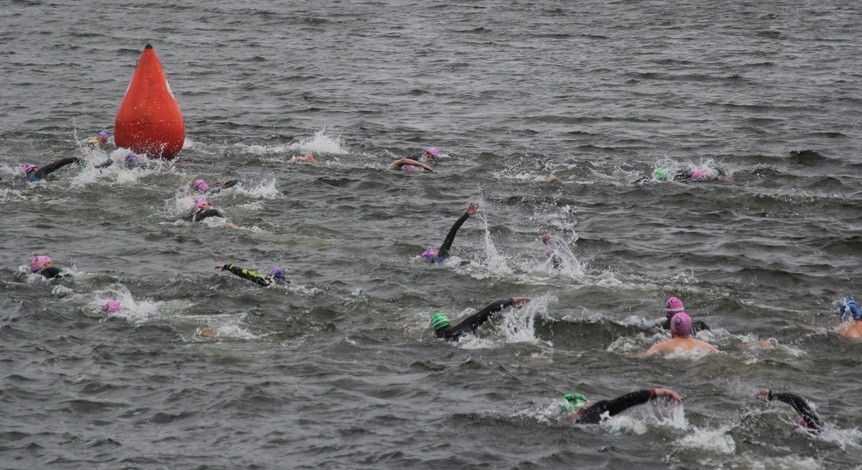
{"x": 277, "y": 272}
{"x": 572, "y": 402}
{"x": 699, "y": 175}
{"x": 111, "y": 307}
{"x": 801, "y": 423}
{"x": 681, "y": 324}
{"x": 200, "y": 202}
{"x": 850, "y": 309}
{"x": 40, "y": 262}
{"x": 429, "y": 255}
{"x": 408, "y": 167}
{"x": 439, "y": 320}
{"x": 27, "y": 168}
{"x": 660, "y": 175}
{"x": 103, "y": 134}
{"x": 201, "y": 186}
{"x": 672, "y": 307}
{"x": 131, "y": 158}
{"x": 433, "y": 151}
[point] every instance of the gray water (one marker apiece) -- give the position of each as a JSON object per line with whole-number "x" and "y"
{"x": 339, "y": 369}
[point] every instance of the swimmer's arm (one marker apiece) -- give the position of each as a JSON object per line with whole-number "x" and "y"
{"x": 408, "y": 161}
{"x": 654, "y": 349}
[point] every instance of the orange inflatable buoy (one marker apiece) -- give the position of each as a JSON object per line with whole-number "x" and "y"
{"x": 149, "y": 119}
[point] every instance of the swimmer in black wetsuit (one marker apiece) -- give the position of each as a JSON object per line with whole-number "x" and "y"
{"x": 577, "y": 408}
{"x": 555, "y": 246}
{"x": 439, "y": 256}
{"x": 204, "y": 210}
{"x": 809, "y": 419}
{"x": 276, "y": 275}
{"x": 201, "y": 186}
{"x": 443, "y": 327}
{"x": 43, "y": 266}
{"x": 34, "y": 173}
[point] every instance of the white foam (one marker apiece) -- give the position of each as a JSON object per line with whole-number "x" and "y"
{"x": 711, "y": 440}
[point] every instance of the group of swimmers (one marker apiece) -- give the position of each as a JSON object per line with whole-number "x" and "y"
{"x": 575, "y": 407}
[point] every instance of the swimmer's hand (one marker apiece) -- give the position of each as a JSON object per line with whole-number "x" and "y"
{"x": 519, "y": 301}
{"x": 546, "y": 238}
{"x": 668, "y": 394}
{"x": 221, "y": 266}
{"x": 763, "y": 394}
{"x": 473, "y": 208}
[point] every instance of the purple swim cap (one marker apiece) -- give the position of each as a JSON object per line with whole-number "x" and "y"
{"x": 681, "y": 324}
{"x": 672, "y": 307}
{"x": 39, "y": 262}
{"x": 277, "y": 272}
{"x": 433, "y": 151}
{"x": 200, "y": 202}
{"x": 27, "y": 168}
{"x": 429, "y": 255}
{"x": 111, "y": 307}
{"x": 699, "y": 175}
{"x": 131, "y": 157}
{"x": 201, "y": 186}
{"x": 103, "y": 134}
{"x": 408, "y": 167}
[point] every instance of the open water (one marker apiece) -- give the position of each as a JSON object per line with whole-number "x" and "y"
{"x": 339, "y": 369}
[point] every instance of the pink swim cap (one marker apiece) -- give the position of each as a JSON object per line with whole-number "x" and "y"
{"x": 429, "y": 254}
{"x": 433, "y": 151}
{"x": 201, "y": 186}
{"x": 408, "y": 167}
{"x": 681, "y": 324}
{"x": 39, "y": 262}
{"x": 200, "y": 202}
{"x": 672, "y": 307}
{"x": 27, "y": 168}
{"x": 699, "y": 175}
{"x": 111, "y": 307}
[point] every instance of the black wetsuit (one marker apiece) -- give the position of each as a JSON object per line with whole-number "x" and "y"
{"x": 50, "y": 272}
{"x": 593, "y": 413}
{"x": 202, "y": 214}
{"x": 696, "y": 325}
{"x": 469, "y": 324}
{"x": 41, "y": 172}
{"x": 443, "y": 252}
{"x": 216, "y": 190}
{"x": 812, "y": 420}
{"x": 260, "y": 279}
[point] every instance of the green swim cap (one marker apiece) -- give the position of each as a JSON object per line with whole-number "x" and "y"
{"x": 439, "y": 320}
{"x": 572, "y": 402}
{"x": 660, "y": 175}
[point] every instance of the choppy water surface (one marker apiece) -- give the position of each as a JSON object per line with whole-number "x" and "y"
{"x": 339, "y": 369}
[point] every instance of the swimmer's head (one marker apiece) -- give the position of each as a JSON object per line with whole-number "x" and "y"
{"x": 429, "y": 255}
{"x": 660, "y": 175}
{"x": 699, "y": 176}
{"x": 849, "y": 309}
{"x": 672, "y": 307}
{"x": 572, "y": 403}
{"x": 201, "y": 202}
{"x": 131, "y": 158}
{"x": 111, "y": 307}
{"x": 276, "y": 272}
{"x": 432, "y": 152}
{"x": 680, "y": 324}
{"x": 27, "y": 168}
{"x": 439, "y": 320}
{"x": 201, "y": 186}
{"x": 40, "y": 262}
{"x": 408, "y": 167}
{"x": 104, "y": 134}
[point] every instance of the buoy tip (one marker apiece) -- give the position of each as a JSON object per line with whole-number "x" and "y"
{"x": 148, "y": 46}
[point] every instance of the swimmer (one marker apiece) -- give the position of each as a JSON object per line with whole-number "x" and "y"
{"x": 433, "y": 153}
{"x": 443, "y": 327}
{"x": 554, "y": 246}
{"x": 674, "y": 306}
{"x": 307, "y": 159}
{"x": 809, "y": 419}
{"x": 577, "y": 408}
{"x": 34, "y": 173}
{"x": 680, "y": 329}
{"x": 89, "y": 147}
{"x": 201, "y": 186}
{"x": 410, "y": 164}
{"x": 440, "y": 255}
{"x": 203, "y": 210}
{"x": 43, "y": 266}
{"x": 111, "y": 307}
{"x": 851, "y": 320}
{"x": 276, "y": 275}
